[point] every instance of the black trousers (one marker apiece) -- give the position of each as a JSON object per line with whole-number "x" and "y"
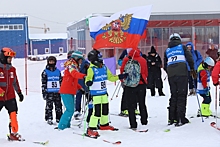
{"x": 132, "y": 94}
{"x": 10, "y": 105}
{"x": 177, "y": 104}
{"x": 53, "y": 98}
{"x": 124, "y": 103}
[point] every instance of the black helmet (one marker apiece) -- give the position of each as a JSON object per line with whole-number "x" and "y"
{"x": 51, "y": 58}
{"x": 94, "y": 55}
{"x": 69, "y": 54}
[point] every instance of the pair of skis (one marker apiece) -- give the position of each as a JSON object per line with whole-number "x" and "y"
{"x": 35, "y": 142}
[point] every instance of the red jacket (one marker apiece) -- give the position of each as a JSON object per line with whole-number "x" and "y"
{"x": 136, "y": 56}
{"x": 69, "y": 83}
{"x": 215, "y": 73}
{"x": 8, "y": 82}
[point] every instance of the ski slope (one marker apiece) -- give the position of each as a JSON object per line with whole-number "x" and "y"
{"x": 32, "y": 126}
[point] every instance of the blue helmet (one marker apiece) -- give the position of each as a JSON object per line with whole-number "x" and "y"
{"x": 209, "y": 61}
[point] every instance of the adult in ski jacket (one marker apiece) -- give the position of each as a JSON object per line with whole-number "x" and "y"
{"x": 138, "y": 93}
{"x": 154, "y": 69}
{"x": 8, "y": 85}
{"x": 197, "y": 58}
{"x": 175, "y": 58}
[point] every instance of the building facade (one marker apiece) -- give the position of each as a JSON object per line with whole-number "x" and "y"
{"x": 202, "y": 29}
{"x": 14, "y": 33}
{"x": 48, "y": 43}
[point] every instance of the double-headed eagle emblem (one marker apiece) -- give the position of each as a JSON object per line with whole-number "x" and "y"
{"x": 116, "y": 29}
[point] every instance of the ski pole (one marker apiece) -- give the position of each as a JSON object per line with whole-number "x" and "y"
{"x": 198, "y": 101}
{"x": 216, "y": 101}
{"x": 115, "y": 90}
{"x": 118, "y": 91}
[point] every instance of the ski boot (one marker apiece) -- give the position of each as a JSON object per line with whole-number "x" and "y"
{"x": 137, "y": 112}
{"x": 50, "y": 122}
{"x": 124, "y": 113}
{"x": 92, "y": 133}
{"x": 15, "y": 137}
{"x": 108, "y": 127}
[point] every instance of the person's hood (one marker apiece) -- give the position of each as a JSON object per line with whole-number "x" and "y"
{"x": 190, "y": 43}
{"x": 134, "y": 53}
{"x": 174, "y": 43}
{"x": 153, "y": 50}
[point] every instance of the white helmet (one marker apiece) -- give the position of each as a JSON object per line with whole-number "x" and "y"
{"x": 175, "y": 36}
{"x": 209, "y": 61}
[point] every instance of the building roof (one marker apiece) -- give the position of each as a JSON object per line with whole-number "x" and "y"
{"x": 13, "y": 15}
{"x": 48, "y": 36}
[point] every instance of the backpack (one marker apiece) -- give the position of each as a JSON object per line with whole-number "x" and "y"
{"x": 132, "y": 67}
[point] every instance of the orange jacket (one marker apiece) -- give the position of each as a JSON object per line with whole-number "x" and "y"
{"x": 69, "y": 83}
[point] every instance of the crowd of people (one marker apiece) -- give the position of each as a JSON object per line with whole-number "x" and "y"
{"x": 86, "y": 80}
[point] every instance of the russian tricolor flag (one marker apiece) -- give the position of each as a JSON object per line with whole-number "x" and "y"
{"x": 123, "y": 29}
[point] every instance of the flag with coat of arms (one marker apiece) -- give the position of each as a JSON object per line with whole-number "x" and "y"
{"x": 123, "y": 29}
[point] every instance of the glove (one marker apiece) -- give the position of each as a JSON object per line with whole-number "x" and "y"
{"x": 2, "y": 92}
{"x": 119, "y": 62}
{"x": 216, "y": 84}
{"x": 193, "y": 73}
{"x": 45, "y": 95}
{"x": 122, "y": 76}
{"x": 82, "y": 91}
{"x": 89, "y": 83}
{"x": 21, "y": 97}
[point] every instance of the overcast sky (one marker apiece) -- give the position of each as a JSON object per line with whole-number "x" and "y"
{"x": 57, "y": 13}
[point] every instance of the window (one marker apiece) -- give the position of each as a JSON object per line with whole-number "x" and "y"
{"x": 60, "y": 49}
{"x": 47, "y": 50}
{"x": 11, "y": 27}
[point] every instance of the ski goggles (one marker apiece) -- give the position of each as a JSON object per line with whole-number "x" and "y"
{"x": 8, "y": 52}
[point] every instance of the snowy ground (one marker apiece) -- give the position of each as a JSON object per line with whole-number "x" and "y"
{"x": 33, "y": 127}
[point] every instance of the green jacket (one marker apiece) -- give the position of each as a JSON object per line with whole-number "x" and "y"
{"x": 90, "y": 74}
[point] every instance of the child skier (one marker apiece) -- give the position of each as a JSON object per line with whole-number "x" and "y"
{"x": 70, "y": 86}
{"x": 203, "y": 86}
{"x": 9, "y": 84}
{"x": 96, "y": 78}
{"x": 51, "y": 80}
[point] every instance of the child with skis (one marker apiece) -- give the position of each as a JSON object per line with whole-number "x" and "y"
{"x": 51, "y": 79}
{"x": 203, "y": 86}
{"x": 96, "y": 78}
{"x": 8, "y": 85}
{"x": 69, "y": 87}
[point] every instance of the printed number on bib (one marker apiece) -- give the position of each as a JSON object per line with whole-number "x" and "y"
{"x": 174, "y": 58}
{"x": 53, "y": 84}
{"x": 103, "y": 85}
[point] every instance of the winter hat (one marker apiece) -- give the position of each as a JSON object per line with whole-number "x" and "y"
{"x": 77, "y": 55}
{"x": 153, "y": 50}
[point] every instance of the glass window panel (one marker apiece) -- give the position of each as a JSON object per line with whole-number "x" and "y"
{"x": 15, "y": 27}
{"x": 11, "y": 28}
